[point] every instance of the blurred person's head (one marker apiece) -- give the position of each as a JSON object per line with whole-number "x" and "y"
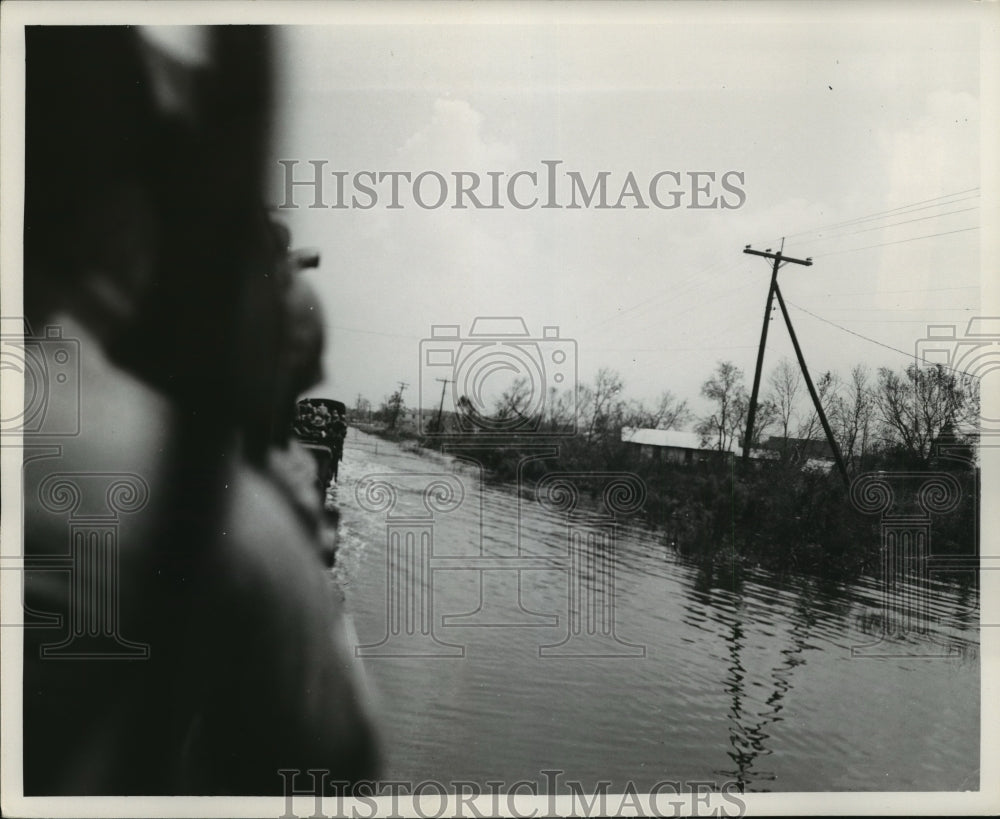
{"x": 304, "y": 334}
{"x": 143, "y": 202}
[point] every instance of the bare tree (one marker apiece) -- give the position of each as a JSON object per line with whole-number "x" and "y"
{"x": 605, "y": 405}
{"x": 725, "y": 390}
{"x": 667, "y": 413}
{"x": 391, "y": 408}
{"x": 853, "y": 414}
{"x": 764, "y": 421}
{"x": 786, "y": 384}
{"x": 560, "y": 410}
{"x": 515, "y": 401}
{"x": 827, "y": 387}
{"x": 916, "y": 409}
{"x": 362, "y": 407}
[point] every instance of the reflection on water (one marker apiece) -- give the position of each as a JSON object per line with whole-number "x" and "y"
{"x": 580, "y": 641}
{"x": 748, "y": 730}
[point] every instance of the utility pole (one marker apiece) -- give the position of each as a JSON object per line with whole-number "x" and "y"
{"x": 778, "y": 261}
{"x": 398, "y": 403}
{"x": 774, "y": 290}
{"x": 812, "y": 391}
{"x": 444, "y": 384}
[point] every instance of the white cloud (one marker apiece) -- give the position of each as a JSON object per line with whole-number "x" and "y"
{"x": 454, "y": 140}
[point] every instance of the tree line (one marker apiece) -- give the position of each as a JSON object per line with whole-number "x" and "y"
{"x": 880, "y": 414}
{"x": 901, "y": 416}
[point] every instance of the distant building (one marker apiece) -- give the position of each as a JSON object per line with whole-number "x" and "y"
{"x": 799, "y": 450}
{"x": 676, "y": 447}
{"x": 668, "y": 445}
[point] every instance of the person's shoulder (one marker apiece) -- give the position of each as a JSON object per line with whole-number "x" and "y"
{"x": 104, "y": 440}
{"x": 262, "y": 534}
{"x": 278, "y": 647}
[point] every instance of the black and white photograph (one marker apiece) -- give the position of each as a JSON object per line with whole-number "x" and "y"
{"x": 499, "y": 409}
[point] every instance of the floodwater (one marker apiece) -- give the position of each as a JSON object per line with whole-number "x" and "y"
{"x": 506, "y": 637}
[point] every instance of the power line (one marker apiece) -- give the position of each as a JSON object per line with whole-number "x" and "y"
{"x": 698, "y": 279}
{"x": 890, "y": 321}
{"x": 899, "y": 309}
{"x": 687, "y": 284}
{"x": 834, "y": 235}
{"x": 908, "y": 290}
{"x": 651, "y": 304}
{"x": 874, "y": 341}
{"x": 885, "y": 213}
{"x": 852, "y": 332}
{"x": 897, "y": 242}
{"x": 685, "y": 308}
{"x": 896, "y": 224}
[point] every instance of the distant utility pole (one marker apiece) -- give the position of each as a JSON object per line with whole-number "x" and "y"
{"x": 398, "y": 403}
{"x": 774, "y": 290}
{"x": 444, "y": 384}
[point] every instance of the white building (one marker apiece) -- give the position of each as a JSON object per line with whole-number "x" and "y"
{"x": 678, "y": 447}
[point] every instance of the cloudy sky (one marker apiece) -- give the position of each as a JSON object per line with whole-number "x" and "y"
{"x": 856, "y": 130}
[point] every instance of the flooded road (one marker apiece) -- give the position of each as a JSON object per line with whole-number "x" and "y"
{"x": 507, "y": 635}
